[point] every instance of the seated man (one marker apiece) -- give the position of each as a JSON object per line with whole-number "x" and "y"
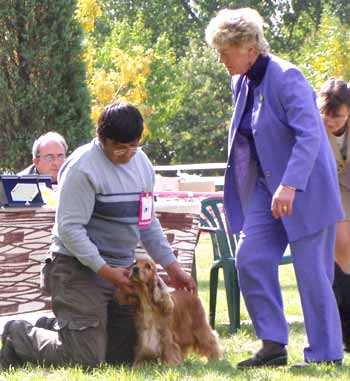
{"x": 49, "y": 152}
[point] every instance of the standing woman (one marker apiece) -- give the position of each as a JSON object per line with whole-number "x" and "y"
{"x": 281, "y": 187}
{"x": 334, "y": 104}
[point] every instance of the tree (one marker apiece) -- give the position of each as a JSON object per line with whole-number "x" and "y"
{"x": 116, "y": 71}
{"x": 292, "y": 21}
{"x": 326, "y": 53}
{"x": 126, "y": 65}
{"x": 122, "y": 77}
{"x": 186, "y": 101}
{"x": 202, "y": 109}
{"x": 174, "y": 18}
{"x": 152, "y": 54}
{"x": 42, "y": 77}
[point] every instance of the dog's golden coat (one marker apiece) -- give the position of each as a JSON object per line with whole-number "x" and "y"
{"x": 169, "y": 324}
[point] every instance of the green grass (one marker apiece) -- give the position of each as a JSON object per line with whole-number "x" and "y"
{"x": 236, "y": 347}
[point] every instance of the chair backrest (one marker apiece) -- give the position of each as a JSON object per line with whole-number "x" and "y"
{"x": 213, "y": 216}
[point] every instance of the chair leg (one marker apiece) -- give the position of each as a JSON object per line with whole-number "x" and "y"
{"x": 194, "y": 270}
{"x": 232, "y": 296}
{"x": 213, "y": 287}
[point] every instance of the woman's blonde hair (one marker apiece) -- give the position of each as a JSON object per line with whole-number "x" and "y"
{"x": 237, "y": 27}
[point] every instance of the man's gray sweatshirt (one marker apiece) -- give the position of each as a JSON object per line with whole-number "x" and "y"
{"x": 98, "y": 210}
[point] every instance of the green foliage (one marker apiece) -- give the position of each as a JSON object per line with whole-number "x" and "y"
{"x": 185, "y": 20}
{"x": 161, "y": 88}
{"x": 188, "y": 97}
{"x": 292, "y": 21}
{"x": 187, "y": 93}
{"x": 183, "y": 93}
{"x": 119, "y": 66}
{"x": 172, "y": 17}
{"x": 123, "y": 35}
{"x": 340, "y": 8}
{"x": 326, "y": 53}
{"x": 42, "y": 77}
{"x": 201, "y": 108}
{"x": 159, "y": 85}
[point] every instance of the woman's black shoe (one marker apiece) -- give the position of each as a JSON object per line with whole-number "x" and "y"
{"x": 265, "y": 359}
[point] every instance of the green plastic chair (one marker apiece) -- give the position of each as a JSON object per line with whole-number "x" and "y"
{"x": 213, "y": 220}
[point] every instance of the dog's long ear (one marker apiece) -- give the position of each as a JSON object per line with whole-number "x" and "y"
{"x": 123, "y": 298}
{"x": 161, "y": 295}
{"x": 158, "y": 289}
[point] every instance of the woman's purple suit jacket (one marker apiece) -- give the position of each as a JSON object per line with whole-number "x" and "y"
{"x": 292, "y": 147}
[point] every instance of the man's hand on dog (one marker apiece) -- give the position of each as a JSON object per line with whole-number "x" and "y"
{"x": 179, "y": 279}
{"x": 119, "y": 276}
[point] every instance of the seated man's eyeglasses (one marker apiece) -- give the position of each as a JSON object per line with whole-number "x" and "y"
{"x": 51, "y": 158}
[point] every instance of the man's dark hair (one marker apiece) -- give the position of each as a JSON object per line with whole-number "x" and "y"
{"x": 121, "y": 122}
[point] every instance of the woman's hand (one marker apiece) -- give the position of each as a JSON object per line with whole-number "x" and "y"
{"x": 282, "y": 201}
{"x": 180, "y": 279}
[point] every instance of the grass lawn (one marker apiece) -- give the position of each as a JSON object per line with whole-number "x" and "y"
{"x": 236, "y": 347}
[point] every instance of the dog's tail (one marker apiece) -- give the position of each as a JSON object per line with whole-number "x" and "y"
{"x": 206, "y": 339}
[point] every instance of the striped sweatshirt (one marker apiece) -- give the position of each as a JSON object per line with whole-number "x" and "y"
{"x": 98, "y": 209}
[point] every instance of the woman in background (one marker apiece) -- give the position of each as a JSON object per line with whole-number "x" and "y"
{"x": 334, "y": 104}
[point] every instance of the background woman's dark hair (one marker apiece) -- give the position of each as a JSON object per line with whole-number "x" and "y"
{"x": 121, "y": 122}
{"x": 333, "y": 94}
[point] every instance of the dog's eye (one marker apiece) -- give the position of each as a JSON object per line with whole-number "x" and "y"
{"x": 147, "y": 266}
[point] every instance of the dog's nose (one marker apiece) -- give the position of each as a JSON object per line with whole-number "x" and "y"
{"x": 135, "y": 270}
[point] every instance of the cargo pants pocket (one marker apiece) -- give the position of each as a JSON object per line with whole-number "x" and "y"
{"x": 84, "y": 340}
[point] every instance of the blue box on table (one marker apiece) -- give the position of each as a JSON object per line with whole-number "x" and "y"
{"x": 22, "y": 190}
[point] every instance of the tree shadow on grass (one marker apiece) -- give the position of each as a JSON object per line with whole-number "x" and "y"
{"x": 320, "y": 371}
{"x": 191, "y": 368}
{"x": 247, "y": 329}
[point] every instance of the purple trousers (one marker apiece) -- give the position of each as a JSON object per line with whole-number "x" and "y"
{"x": 262, "y": 243}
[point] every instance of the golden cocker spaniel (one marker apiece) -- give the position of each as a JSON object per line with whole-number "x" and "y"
{"x": 169, "y": 324}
